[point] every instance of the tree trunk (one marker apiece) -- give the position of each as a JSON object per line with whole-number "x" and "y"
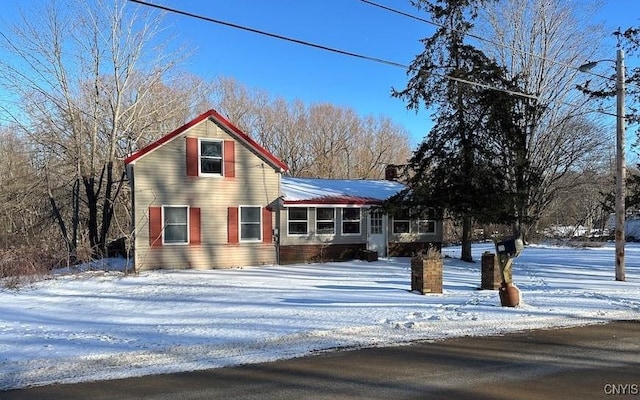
{"x": 466, "y": 239}
{"x": 75, "y": 219}
{"x": 108, "y": 206}
{"x": 55, "y": 210}
{"x": 92, "y": 205}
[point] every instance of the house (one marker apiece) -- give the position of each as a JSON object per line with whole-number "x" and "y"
{"x": 325, "y": 219}
{"x": 208, "y": 196}
{"x": 201, "y": 198}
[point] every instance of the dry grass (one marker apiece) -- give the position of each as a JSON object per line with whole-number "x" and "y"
{"x": 25, "y": 265}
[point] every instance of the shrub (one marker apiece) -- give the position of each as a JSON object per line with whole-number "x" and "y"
{"x": 24, "y": 265}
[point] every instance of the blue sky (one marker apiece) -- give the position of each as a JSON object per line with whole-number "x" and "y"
{"x": 293, "y": 71}
{"x": 299, "y": 72}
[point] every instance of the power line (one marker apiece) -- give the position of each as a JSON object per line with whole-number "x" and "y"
{"x": 269, "y": 34}
{"x": 322, "y": 47}
{"x": 493, "y": 42}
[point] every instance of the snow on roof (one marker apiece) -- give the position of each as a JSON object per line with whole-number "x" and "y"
{"x": 337, "y": 191}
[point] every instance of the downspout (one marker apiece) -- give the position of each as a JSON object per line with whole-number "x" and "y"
{"x": 276, "y": 234}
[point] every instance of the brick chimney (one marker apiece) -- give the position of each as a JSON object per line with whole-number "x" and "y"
{"x": 391, "y": 172}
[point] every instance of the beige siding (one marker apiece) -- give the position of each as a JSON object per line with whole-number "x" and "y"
{"x": 161, "y": 179}
{"x": 338, "y": 238}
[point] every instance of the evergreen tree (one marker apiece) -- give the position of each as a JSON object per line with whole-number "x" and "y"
{"x": 461, "y": 166}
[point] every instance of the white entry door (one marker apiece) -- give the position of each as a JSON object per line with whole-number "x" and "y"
{"x": 377, "y": 233}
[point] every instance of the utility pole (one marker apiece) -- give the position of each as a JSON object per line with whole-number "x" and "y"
{"x": 621, "y": 169}
{"x": 621, "y": 172}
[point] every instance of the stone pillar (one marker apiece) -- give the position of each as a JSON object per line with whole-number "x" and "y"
{"x": 426, "y": 275}
{"x": 491, "y": 278}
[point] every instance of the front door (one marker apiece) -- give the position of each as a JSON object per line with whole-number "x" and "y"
{"x": 377, "y": 234}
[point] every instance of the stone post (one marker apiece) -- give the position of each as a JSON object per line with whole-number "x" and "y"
{"x": 491, "y": 279}
{"x": 426, "y": 275}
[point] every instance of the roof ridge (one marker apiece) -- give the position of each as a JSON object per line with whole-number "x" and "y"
{"x": 275, "y": 161}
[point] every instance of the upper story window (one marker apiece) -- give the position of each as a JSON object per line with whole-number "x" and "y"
{"x": 175, "y": 225}
{"x": 250, "y": 227}
{"x": 325, "y": 221}
{"x": 351, "y": 221}
{"x": 298, "y": 221}
{"x": 211, "y": 161}
{"x": 210, "y": 157}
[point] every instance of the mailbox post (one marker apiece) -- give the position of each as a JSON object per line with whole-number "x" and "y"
{"x": 507, "y": 250}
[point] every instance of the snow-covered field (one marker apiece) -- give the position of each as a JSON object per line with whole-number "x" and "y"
{"x": 102, "y": 325}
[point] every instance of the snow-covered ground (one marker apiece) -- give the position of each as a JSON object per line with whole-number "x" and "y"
{"x": 102, "y": 325}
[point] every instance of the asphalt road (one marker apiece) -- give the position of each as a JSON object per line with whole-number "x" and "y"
{"x": 594, "y": 362}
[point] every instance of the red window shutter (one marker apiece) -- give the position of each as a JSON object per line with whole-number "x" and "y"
{"x": 194, "y": 226}
{"x": 192, "y": 157}
{"x": 155, "y": 226}
{"x": 232, "y": 225}
{"x": 267, "y": 226}
{"x": 229, "y": 159}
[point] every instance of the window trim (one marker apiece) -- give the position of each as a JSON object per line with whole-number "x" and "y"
{"x": 332, "y": 220}
{"x": 393, "y": 226}
{"x": 305, "y": 220}
{"x": 429, "y": 217}
{"x": 187, "y": 225}
{"x": 210, "y": 174}
{"x": 343, "y": 221}
{"x": 240, "y": 223}
{"x": 427, "y": 221}
{"x": 377, "y": 216}
{"x": 414, "y": 225}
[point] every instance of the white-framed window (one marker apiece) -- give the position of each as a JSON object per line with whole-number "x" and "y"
{"x": 426, "y": 226}
{"x": 250, "y": 223}
{"x": 428, "y": 223}
{"x": 325, "y": 221}
{"x": 351, "y": 221}
{"x": 297, "y": 221}
{"x": 401, "y": 222}
{"x": 211, "y": 157}
{"x": 175, "y": 223}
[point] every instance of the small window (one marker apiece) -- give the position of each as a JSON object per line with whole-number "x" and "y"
{"x": 426, "y": 226}
{"x": 401, "y": 223}
{"x": 175, "y": 225}
{"x": 350, "y": 221}
{"x": 298, "y": 221}
{"x": 250, "y": 224}
{"x": 211, "y": 157}
{"x": 325, "y": 221}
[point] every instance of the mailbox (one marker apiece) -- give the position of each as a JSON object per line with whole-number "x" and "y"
{"x": 510, "y": 247}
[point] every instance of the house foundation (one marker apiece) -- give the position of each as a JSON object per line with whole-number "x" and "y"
{"x": 319, "y": 253}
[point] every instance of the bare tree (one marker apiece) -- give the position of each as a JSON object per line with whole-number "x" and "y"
{"x": 22, "y": 210}
{"x": 317, "y": 140}
{"x": 380, "y": 142}
{"x": 542, "y": 42}
{"x": 88, "y": 76}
